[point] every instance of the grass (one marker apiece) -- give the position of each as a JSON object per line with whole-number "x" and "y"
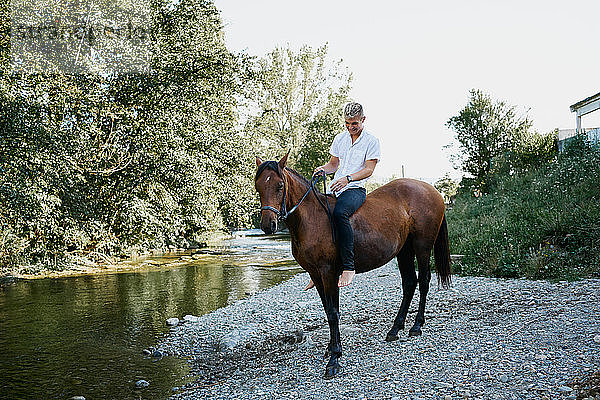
{"x": 542, "y": 224}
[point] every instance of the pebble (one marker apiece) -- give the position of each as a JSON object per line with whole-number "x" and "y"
{"x": 141, "y": 384}
{"x": 479, "y": 336}
{"x": 190, "y": 318}
{"x": 237, "y": 336}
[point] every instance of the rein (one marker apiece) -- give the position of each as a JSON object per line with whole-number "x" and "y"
{"x": 329, "y": 213}
{"x": 283, "y": 214}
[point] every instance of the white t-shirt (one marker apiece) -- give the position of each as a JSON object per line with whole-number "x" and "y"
{"x": 353, "y": 156}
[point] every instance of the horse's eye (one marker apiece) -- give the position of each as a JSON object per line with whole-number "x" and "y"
{"x": 280, "y": 186}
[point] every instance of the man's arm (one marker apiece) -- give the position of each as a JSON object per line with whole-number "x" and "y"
{"x": 330, "y": 167}
{"x": 366, "y": 172}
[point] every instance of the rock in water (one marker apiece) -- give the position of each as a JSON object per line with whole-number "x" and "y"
{"x": 173, "y": 322}
{"x": 77, "y": 398}
{"x": 157, "y": 354}
{"x": 141, "y": 384}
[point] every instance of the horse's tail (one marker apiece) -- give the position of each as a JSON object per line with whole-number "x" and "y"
{"x": 441, "y": 254}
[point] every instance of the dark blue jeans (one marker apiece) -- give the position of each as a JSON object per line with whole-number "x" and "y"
{"x": 347, "y": 203}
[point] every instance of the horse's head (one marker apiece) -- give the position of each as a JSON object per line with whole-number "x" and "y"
{"x": 270, "y": 185}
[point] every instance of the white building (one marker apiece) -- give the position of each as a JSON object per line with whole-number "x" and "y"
{"x": 580, "y": 109}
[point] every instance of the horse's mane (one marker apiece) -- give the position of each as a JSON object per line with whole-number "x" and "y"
{"x": 299, "y": 176}
{"x": 274, "y": 165}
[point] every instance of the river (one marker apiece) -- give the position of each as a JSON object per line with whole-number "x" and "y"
{"x": 84, "y": 336}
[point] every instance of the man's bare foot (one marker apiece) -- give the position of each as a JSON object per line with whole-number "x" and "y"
{"x": 310, "y": 285}
{"x": 346, "y": 278}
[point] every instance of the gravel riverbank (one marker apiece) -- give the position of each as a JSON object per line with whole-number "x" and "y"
{"x": 484, "y": 339}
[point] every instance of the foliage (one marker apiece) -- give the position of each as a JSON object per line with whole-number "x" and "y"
{"x": 297, "y": 98}
{"x": 447, "y": 187}
{"x": 494, "y": 140}
{"x": 320, "y": 133}
{"x": 540, "y": 224}
{"x": 102, "y": 162}
{"x": 528, "y": 151}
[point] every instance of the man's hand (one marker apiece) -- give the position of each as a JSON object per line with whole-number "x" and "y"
{"x": 338, "y": 185}
{"x": 328, "y": 168}
{"x": 319, "y": 169}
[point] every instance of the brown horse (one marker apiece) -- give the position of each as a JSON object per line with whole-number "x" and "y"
{"x": 403, "y": 219}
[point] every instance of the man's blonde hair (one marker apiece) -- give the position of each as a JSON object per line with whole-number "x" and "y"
{"x": 353, "y": 110}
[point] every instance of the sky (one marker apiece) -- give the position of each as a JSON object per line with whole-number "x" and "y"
{"x": 414, "y": 63}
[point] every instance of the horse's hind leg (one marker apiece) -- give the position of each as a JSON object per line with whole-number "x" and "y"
{"x": 406, "y": 264}
{"x": 423, "y": 257}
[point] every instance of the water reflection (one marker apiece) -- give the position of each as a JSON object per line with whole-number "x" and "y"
{"x": 84, "y": 335}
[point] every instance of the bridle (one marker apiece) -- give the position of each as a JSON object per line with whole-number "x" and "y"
{"x": 283, "y": 214}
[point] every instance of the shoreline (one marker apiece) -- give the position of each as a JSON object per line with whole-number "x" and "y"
{"x": 484, "y": 338}
{"x": 148, "y": 262}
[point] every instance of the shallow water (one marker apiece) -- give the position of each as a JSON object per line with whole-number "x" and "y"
{"x": 85, "y": 335}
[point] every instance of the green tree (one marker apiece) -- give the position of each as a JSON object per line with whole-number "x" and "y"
{"x": 447, "y": 187}
{"x": 320, "y": 132}
{"x": 101, "y": 162}
{"x": 297, "y": 98}
{"x": 485, "y": 129}
{"x": 528, "y": 150}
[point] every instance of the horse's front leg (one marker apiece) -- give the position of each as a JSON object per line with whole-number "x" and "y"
{"x": 330, "y": 297}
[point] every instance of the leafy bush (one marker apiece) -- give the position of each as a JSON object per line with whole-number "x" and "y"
{"x": 99, "y": 163}
{"x": 541, "y": 224}
{"x": 495, "y": 140}
{"x": 95, "y": 164}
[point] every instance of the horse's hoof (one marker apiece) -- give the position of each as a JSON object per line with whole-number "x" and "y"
{"x": 332, "y": 371}
{"x": 415, "y": 332}
{"x": 391, "y": 338}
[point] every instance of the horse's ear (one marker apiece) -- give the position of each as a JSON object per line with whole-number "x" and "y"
{"x": 283, "y": 161}
{"x": 258, "y": 161}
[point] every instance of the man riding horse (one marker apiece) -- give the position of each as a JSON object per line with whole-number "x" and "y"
{"x": 354, "y": 155}
{"x": 403, "y": 219}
